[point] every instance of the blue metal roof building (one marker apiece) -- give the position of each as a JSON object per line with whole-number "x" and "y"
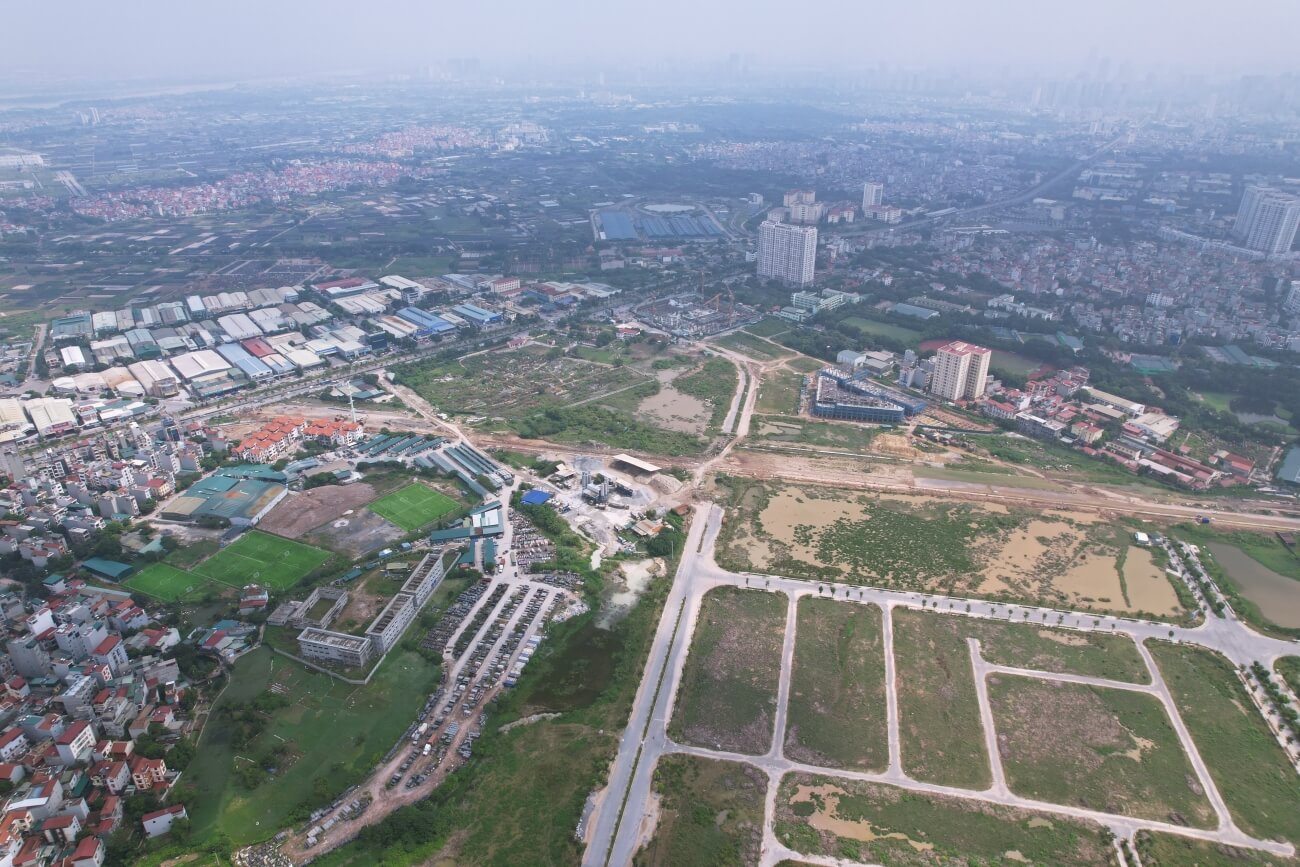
{"x": 476, "y": 314}
{"x": 251, "y": 366}
{"x": 426, "y": 322}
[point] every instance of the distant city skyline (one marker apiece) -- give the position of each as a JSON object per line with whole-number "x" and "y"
{"x": 242, "y": 40}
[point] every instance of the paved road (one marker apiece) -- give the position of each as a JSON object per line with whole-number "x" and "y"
{"x": 616, "y": 837}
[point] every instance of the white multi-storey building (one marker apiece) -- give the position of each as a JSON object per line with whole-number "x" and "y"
{"x": 873, "y": 194}
{"x": 960, "y": 370}
{"x": 787, "y": 253}
{"x": 1267, "y": 219}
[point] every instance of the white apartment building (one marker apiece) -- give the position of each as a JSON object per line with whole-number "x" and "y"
{"x": 873, "y": 194}
{"x": 1267, "y": 219}
{"x": 960, "y": 370}
{"x": 787, "y": 253}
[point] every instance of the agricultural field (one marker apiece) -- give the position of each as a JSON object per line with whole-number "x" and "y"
{"x": 907, "y": 542}
{"x": 316, "y": 734}
{"x": 167, "y": 582}
{"x": 711, "y": 813}
{"x": 1251, "y": 771}
{"x": 778, "y": 393}
{"x": 836, "y": 715}
{"x": 728, "y": 688}
{"x": 413, "y": 506}
{"x": 1109, "y": 750}
{"x": 939, "y": 717}
{"x": 511, "y": 385}
{"x": 261, "y": 558}
{"x": 879, "y": 824}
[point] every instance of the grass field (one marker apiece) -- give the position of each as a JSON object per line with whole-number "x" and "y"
{"x": 1250, "y": 769}
{"x": 1289, "y": 669}
{"x": 264, "y": 559}
{"x": 331, "y": 733}
{"x": 1101, "y": 749}
{"x": 778, "y": 392}
{"x": 709, "y": 811}
{"x": 798, "y": 431}
{"x": 1013, "y": 363}
{"x": 939, "y": 719}
{"x": 804, "y": 364}
{"x": 728, "y": 689}
{"x": 884, "y": 329}
{"x": 754, "y": 347}
{"x": 769, "y": 327}
{"x": 836, "y": 716}
{"x": 879, "y": 824}
{"x": 413, "y": 506}
{"x": 167, "y": 582}
{"x": 1022, "y": 645}
{"x": 1168, "y": 850}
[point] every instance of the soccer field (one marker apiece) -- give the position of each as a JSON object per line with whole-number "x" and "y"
{"x": 166, "y": 582}
{"x": 260, "y": 558}
{"x": 413, "y": 506}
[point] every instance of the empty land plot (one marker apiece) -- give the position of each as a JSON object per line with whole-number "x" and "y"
{"x": 804, "y": 364}
{"x": 262, "y": 559}
{"x": 769, "y": 327}
{"x": 166, "y": 582}
{"x": 1029, "y": 645}
{"x": 728, "y": 688}
{"x": 1249, "y": 768}
{"x": 778, "y": 392}
{"x": 939, "y": 717}
{"x": 884, "y": 329}
{"x": 754, "y": 347}
{"x": 880, "y": 824}
{"x": 802, "y": 432}
{"x": 1103, "y": 749}
{"x": 711, "y": 813}
{"x": 513, "y": 384}
{"x": 1169, "y": 850}
{"x": 413, "y": 506}
{"x": 1289, "y": 668}
{"x": 836, "y": 715}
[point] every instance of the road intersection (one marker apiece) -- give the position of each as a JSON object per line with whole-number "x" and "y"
{"x": 618, "y": 827}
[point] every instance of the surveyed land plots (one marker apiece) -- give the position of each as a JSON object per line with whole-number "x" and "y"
{"x": 413, "y": 506}
{"x": 253, "y": 558}
{"x": 1016, "y": 740}
{"x": 1064, "y": 559}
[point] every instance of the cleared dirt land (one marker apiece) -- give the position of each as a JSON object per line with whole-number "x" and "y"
{"x": 836, "y": 716}
{"x": 879, "y": 824}
{"x": 727, "y": 696}
{"x": 923, "y": 543}
{"x": 299, "y": 513}
{"x": 1102, "y": 749}
{"x": 710, "y": 812}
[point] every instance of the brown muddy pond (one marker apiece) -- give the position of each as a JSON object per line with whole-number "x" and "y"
{"x": 1277, "y": 596}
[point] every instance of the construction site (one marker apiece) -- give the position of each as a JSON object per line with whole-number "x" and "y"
{"x": 696, "y": 315}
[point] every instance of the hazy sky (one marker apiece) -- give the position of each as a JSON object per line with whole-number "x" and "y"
{"x": 240, "y": 39}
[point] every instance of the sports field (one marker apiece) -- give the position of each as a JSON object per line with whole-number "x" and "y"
{"x": 413, "y": 506}
{"x": 260, "y": 558}
{"x": 166, "y": 582}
